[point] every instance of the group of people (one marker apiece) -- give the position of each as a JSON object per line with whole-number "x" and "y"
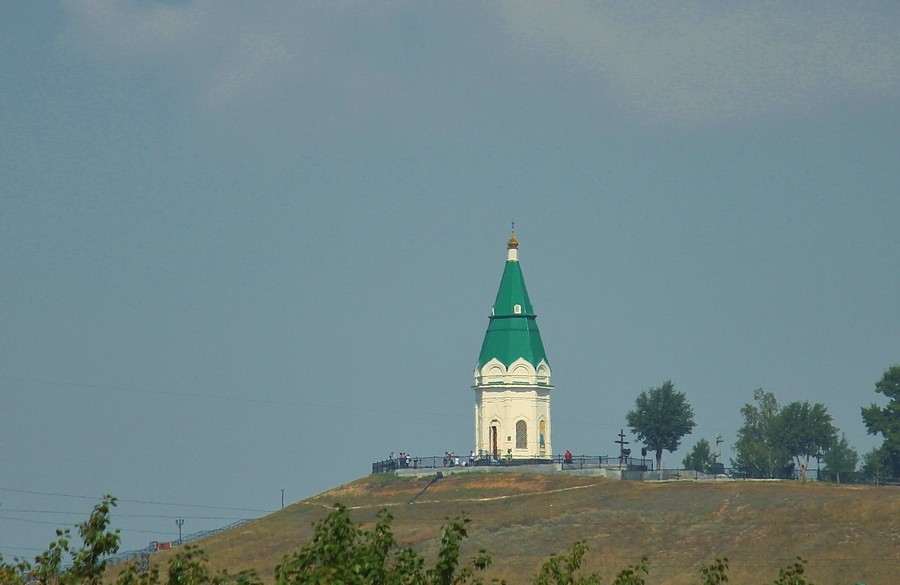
{"x": 451, "y": 459}
{"x": 403, "y": 461}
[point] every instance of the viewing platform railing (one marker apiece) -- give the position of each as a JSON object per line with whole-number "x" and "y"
{"x": 575, "y": 462}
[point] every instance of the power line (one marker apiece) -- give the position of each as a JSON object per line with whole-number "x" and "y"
{"x": 121, "y": 530}
{"x": 182, "y": 394}
{"x": 116, "y": 514}
{"x": 128, "y": 501}
{"x": 31, "y": 521}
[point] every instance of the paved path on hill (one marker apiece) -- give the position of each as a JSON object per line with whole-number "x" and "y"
{"x": 490, "y": 499}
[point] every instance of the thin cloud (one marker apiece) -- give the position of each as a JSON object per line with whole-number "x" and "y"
{"x": 121, "y": 31}
{"x": 683, "y": 63}
{"x": 333, "y": 61}
{"x": 696, "y": 62}
{"x": 224, "y": 56}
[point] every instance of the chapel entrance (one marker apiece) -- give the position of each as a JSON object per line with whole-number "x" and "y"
{"x": 495, "y": 450}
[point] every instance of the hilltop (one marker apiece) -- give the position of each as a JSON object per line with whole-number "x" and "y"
{"x": 848, "y": 533}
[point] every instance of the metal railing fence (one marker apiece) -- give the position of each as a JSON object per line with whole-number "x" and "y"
{"x": 575, "y": 462}
{"x": 155, "y": 546}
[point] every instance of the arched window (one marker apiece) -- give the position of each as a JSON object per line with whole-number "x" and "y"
{"x": 517, "y": 309}
{"x": 521, "y": 435}
{"x": 542, "y": 429}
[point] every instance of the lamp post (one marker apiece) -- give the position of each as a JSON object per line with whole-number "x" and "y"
{"x": 180, "y": 523}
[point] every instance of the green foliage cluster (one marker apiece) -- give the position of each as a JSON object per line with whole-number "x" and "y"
{"x": 63, "y": 563}
{"x": 187, "y": 567}
{"x": 341, "y": 552}
{"x": 885, "y": 460}
{"x": 701, "y": 458}
{"x": 775, "y": 440}
{"x": 716, "y": 572}
{"x": 563, "y": 569}
{"x": 793, "y": 574}
{"x": 661, "y": 417}
{"x": 841, "y": 458}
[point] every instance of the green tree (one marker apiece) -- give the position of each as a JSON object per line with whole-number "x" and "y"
{"x": 189, "y": 566}
{"x": 701, "y": 458}
{"x": 876, "y": 465}
{"x": 561, "y": 569}
{"x": 84, "y": 564}
{"x": 793, "y": 574}
{"x": 343, "y": 552}
{"x": 759, "y": 449}
{"x": 716, "y": 572}
{"x": 774, "y": 440}
{"x": 806, "y": 431}
{"x": 840, "y": 458}
{"x": 633, "y": 574}
{"x": 661, "y": 417}
{"x": 886, "y": 420}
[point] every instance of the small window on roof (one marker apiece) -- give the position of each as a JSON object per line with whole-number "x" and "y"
{"x": 517, "y": 309}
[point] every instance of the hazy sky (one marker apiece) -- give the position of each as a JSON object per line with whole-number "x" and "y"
{"x": 253, "y": 246}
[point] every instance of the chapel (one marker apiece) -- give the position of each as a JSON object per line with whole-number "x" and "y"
{"x": 512, "y": 375}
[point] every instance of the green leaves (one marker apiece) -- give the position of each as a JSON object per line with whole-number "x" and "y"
{"x": 633, "y": 575}
{"x": 759, "y": 451}
{"x": 87, "y": 563}
{"x": 561, "y": 569}
{"x": 886, "y": 421}
{"x": 840, "y": 458}
{"x": 701, "y": 458}
{"x": 716, "y": 572}
{"x": 793, "y": 574}
{"x": 342, "y": 552}
{"x": 662, "y": 416}
{"x": 806, "y": 431}
{"x": 772, "y": 436}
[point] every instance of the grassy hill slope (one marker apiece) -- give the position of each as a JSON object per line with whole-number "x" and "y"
{"x": 849, "y": 534}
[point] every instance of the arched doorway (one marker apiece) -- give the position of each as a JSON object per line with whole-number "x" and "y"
{"x": 494, "y": 434}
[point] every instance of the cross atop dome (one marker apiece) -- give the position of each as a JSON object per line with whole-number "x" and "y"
{"x": 513, "y": 246}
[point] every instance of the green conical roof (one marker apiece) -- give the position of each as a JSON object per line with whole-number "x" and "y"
{"x": 512, "y": 335}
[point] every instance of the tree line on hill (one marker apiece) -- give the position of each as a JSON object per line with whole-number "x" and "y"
{"x": 776, "y": 441}
{"x": 340, "y": 552}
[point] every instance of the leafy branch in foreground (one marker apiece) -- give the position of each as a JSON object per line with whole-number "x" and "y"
{"x": 86, "y": 563}
{"x": 343, "y": 552}
{"x": 187, "y": 567}
{"x": 793, "y": 574}
{"x": 560, "y": 569}
{"x": 716, "y": 572}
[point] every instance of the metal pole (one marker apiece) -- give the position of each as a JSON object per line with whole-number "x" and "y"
{"x": 180, "y": 523}
{"x": 282, "y": 498}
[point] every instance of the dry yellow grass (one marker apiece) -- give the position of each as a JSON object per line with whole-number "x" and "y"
{"x": 849, "y": 534}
